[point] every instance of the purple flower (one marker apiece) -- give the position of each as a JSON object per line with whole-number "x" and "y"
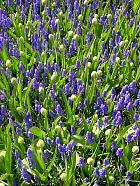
{"x": 45, "y": 154}
{"x": 57, "y": 140}
{"x": 102, "y": 172}
{"x": 105, "y": 162}
{"x": 128, "y": 138}
{"x": 81, "y": 162}
{"x": 113, "y": 145}
{"x": 119, "y": 152}
{"x": 25, "y": 174}
{"x": 85, "y": 180}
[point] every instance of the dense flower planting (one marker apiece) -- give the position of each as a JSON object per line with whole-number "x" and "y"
{"x": 69, "y": 92}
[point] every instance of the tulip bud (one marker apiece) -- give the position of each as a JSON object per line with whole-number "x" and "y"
{"x": 76, "y": 36}
{"x": 43, "y": 111}
{"x": 108, "y": 132}
{"x": 117, "y": 59}
{"x": 90, "y": 161}
{"x": 63, "y": 176}
{"x": 109, "y": 16}
{"x": 19, "y": 109}
{"x": 94, "y": 74}
{"x": 135, "y": 149}
{"x": 20, "y": 140}
{"x": 80, "y": 17}
{"x": 14, "y": 81}
{"x": 94, "y": 58}
{"x": 54, "y": 75}
{"x": 99, "y": 73}
{"x": 94, "y": 20}
{"x": 60, "y": 13}
{"x": 61, "y": 48}
{"x": 58, "y": 128}
{"x": 73, "y": 97}
{"x": 85, "y": 2}
{"x": 50, "y": 36}
{"x": 56, "y": 21}
{"x": 89, "y": 64}
{"x": 8, "y": 63}
{"x": 70, "y": 33}
{"x": 41, "y": 90}
{"x": 40, "y": 144}
{"x": 111, "y": 178}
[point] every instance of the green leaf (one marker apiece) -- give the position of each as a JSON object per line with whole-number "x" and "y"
{"x": 38, "y": 132}
{"x": 8, "y": 156}
{"x": 122, "y": 133}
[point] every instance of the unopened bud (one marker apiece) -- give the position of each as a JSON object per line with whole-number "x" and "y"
{"x": 20, "y": 140}
{"x": 90, "y": 161}
{"x": 63, "y": 176}
{"x": 40, "y": 144}
{"x": 43, "y": 111}
{"x": 8, "y": 63}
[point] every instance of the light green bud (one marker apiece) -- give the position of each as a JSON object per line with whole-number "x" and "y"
{"x": 63, "y": 176}
{"x": 14, "y": 81}
{"x": 90, "y": 161}
{"x": 40, "y": 144}
{"x": 20, "y": 140}
{"x": 135, "y": 149}
{"x": 43, "y": 111}
{"x": 8, "y": 63}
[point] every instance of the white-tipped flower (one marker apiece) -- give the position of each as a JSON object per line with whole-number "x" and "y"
{"x": 96, "y": 16}
{"x": 63, "y": 176}
{"x": 80, "y": 17}
{"x": 40, "y": 144}
{"x": 85, "y": 2}
{"x": 20, "y": 140}
{"x": 111, "y": 178}
{"x": 90, "y": 161}
{"x": 126, "y": 41}
{"x": 60, "y": 13}
{"x": 41, "y": 90}
{"x": 50, "y": 36}
{"x": 73, "y": 97}
{"x": 58, "y": 128}
{"x": 43, "y": 111}
{"x": 21, "y": 39}
{"x": 19, "y": 109}
{"x": 14, "y": 81}
{"x": 109, "y": 16}
{"x": 43, "y": 54}
{"x": 20, "y": 25}
{"x": 70, "y": 33}
{"x": 54, "y": 4}
{"x": 43, "y": 1}
{"x": 94, "y": 74}
{"x": 95, "y": 117}
{"x": 89, "y": 64}
{"x": 121, "y": 43}
{"x": 61, "y": 47}
{"x": 94, "y": 58}
{"x": 21, "y": 53}
{"x": 56, "y": 21}
{"x": 94, "y": 20}
{"x": 29, "y": 24}
{"x": 54, "y": 75}
{"x": 8, "y": 63}
{"x": 99, "y": 73}
{"x": 75, "y": 36}
{"x": 108, "y": 132}
{"x": 135, "y": 149}
{"x": 117, "y": 59}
